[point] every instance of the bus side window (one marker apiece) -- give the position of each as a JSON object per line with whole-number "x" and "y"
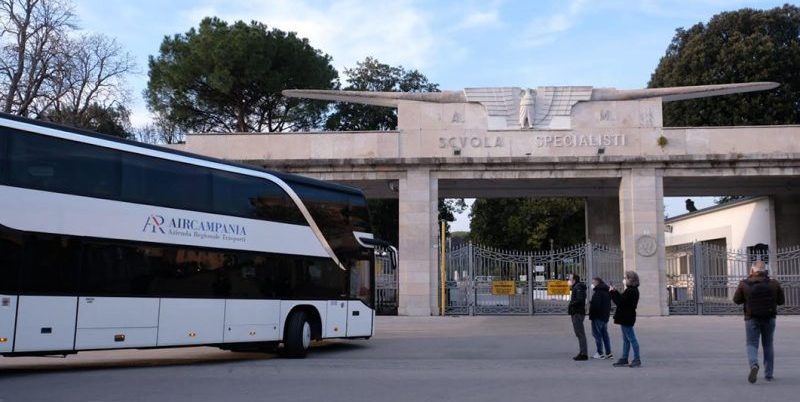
{"x": 51, "y": 265}
{"x": 331, "y": 212}
{"x": 52, "y": 164}
{"x": 359, "y": 214}
{"x": 165, "y": 183}
{"x": 114, "y": 269}
{"x": 11, "y": 259}
{"x": 254, "y": 198}
{"x": 3, "y": 154}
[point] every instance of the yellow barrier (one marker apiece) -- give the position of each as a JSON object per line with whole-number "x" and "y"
{"x": 557, "y": 288}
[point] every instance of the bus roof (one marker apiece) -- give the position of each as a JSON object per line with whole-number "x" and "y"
{"x": 288, "y": 177}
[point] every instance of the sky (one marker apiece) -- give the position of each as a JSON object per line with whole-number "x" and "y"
{"x": 455, "y": 43}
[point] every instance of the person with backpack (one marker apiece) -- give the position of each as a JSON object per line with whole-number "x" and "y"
{"x": 761, "y": 297}
{"x": 577, "y": 311}
{"x": 625, "y": 316}
{"x": 599, "y": 311}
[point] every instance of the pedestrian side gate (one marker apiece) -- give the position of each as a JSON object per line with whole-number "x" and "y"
{"x": 386, "y": 281}
{"x": 702, "y": 278}
{"x": 485, "y": 280}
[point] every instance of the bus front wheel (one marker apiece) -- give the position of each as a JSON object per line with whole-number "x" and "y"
{"x": 297, "y": 339}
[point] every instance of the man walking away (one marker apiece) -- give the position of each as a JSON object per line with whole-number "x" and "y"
{"x": 761, "y": 297}
{"x": 599, "y": 311}
{"x": 577, "y": 310}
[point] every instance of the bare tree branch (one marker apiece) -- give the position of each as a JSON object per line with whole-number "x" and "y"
{"x": 46, "y": 70}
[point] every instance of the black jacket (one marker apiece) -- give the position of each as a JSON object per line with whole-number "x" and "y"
{"x": 600, "y": 305}
{"x": 626, "y": 302}
{"x": 577, "y": 299}
{"x": 743, "y": 294}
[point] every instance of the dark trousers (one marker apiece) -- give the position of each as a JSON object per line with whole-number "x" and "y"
{"x": 577, "y": 326}
{"x": 600, "y": 335}
{"x": 763, "y": 328}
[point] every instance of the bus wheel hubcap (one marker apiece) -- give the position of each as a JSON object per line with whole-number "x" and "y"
{"x": 306, "y": 335}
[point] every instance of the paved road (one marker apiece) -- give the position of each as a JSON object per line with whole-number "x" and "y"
{"x": 430, "y": 359}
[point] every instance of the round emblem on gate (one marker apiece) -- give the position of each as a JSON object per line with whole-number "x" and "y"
{"x": 646, "y": 245}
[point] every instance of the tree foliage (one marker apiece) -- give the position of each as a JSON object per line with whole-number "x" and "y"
{"x": 48, "y": 71}
{"x": 738, "y": 46}
{"x": 159, "y": 131}
{"x": 372, "y": 75}
{"x": 228, "y": 78}
{"x": 727, "y": 198}
{"x": 111, "y": 120}
{"x": 528, "y": 223}
{"x": 33, "y": 36}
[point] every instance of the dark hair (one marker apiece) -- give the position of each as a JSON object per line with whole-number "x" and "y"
{"x": 598, "y": 279}
{"x": 576, "y": 277}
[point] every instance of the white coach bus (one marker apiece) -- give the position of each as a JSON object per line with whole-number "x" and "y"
{"x": 107, "y": 244}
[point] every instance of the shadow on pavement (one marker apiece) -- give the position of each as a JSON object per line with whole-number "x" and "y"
{"x": 47, "y": 364}
{"x": 172, "y": 357}
{"x": 332, "y": 347}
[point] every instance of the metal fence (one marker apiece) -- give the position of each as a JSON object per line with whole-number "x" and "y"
{"x": 485, "y": 280}
{"x": 787, "y": 272}
{"x": 386, "y": 281}
{"x": 702, "y": 278}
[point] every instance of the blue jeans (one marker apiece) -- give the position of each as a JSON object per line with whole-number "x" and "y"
{"x": 600, "y": 335}
{"x": 765, "y": 329}
{"x": 628, "y": 341}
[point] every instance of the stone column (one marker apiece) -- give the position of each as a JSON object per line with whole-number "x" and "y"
{"x": 602, "y": 221}
{"x": 641, "y": 204}
{"x": 418, "y": 268}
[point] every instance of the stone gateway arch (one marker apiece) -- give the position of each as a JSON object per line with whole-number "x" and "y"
{"x": 604, "y": 144}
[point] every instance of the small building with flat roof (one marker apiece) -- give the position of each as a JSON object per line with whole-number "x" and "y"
{"x": 746, "y": 225}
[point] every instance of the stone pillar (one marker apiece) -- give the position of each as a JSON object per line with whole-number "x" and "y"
{"x": 602, "y": 221}
{"x": 641, "y": 204}
{"x": 418, "y": 267}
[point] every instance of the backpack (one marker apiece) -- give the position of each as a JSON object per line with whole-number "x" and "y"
{"x": 762, "y": 302}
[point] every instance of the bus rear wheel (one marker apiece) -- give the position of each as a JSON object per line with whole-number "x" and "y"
{"x": 297, "y": 339}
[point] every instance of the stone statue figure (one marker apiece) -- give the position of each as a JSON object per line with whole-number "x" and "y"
{"x": 526, "y": 109}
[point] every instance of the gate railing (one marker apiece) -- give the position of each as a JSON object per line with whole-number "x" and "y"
{"x": 787, "y": 272}
{"x": 702, "y": 278}
{"x": 486, "y": 280}
{"x": 386, "y": 281}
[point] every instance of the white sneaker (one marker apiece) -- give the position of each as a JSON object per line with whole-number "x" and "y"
{"x": 598, "y": 356}
{"x": 608, "y": 356}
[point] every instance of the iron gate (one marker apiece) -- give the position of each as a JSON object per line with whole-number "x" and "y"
{"x": 386, "y": 281}
{"x": 474, "y": 274}
{"x": 702, "y": 278}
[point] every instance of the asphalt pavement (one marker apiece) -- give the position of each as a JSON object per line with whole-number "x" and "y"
{"x": 431, "y": 359}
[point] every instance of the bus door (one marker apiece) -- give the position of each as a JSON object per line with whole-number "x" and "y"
{"x": 360, "y": 313}
{"x": 361, "y": 307}
{"x": 8, "y": 312}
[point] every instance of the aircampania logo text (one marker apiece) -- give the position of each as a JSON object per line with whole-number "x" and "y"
{"x": 197, "y": 228}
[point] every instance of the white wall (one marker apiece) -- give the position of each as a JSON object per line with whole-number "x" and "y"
{"x": 741, "y": 225}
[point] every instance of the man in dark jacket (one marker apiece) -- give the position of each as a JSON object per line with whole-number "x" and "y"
{"x": 577, "y": 311}
{"x": 599, "y": 311}
{"x": 761, "y": 297}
